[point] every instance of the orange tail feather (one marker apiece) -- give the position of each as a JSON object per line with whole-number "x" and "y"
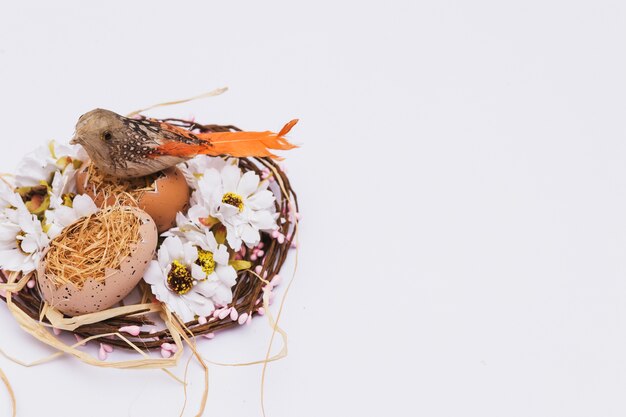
{"x": 237, "y": 144}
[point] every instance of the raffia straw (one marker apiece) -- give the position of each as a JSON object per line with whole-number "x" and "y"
{"x": 213, "y": 93}
{"x": 38, "y": 330}
{"x": 247, "y": 290}
{"x": 182, "y": 411}
{"x": 16, "y": 286}
{"x": 58, "y": 321}
{"x": 282, "y": 302}
{"x": 275, "y": 329}
{"x": 272, "y": 323}
{"x": 183, "y": 331}
{"x": 7, "y": 384}
{"x": 126, "y": 191}
{"x": 87, "y": 248}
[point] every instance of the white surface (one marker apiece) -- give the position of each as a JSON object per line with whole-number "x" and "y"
{"x": 462, "y": 180}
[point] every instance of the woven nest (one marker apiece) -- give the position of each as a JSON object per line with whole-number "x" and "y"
{"x": 247, "y": 292}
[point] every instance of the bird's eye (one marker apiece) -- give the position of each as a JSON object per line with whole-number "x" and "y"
{"x": 107, "y": 136}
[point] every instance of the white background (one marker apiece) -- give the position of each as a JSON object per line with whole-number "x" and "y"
{"x": 461, "y": 176}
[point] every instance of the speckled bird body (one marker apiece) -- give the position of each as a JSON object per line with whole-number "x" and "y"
{"x": 125, "y": 148}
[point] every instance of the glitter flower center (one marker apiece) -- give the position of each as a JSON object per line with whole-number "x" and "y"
{"x": 233, "y": 200}
{"x": 206, "y": 261}
{"x": 179, "y": 280}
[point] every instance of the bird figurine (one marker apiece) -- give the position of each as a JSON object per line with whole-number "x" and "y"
{"x": 126, "y": 148}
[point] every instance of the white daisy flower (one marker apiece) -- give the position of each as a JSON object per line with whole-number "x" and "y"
{"x": 191, "y": 278}
{"x": 67, "y": 213}
{"x": 21, "y": 238}
{"x": 41, "y": 164}
{"x": 242, "y": 203}
{"x": 194, "y": 168}
{"x": 45, "y": 184}
{"x": 212, "y": 256}
{"x": 62, "y": 188}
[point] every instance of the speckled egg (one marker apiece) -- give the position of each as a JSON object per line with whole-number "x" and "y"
{"x": 96, "y": 296}
{"x": 170, "y": 195}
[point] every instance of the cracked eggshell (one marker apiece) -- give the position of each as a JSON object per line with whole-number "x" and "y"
{"x": 171, "y": 195}
{"x": 98, "y": 296}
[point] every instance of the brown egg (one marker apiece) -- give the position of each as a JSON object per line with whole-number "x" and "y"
{"x": 168, "y": 195}
{"x": 96, "y": 296}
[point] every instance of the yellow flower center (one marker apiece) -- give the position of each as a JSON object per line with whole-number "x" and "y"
{"x": 179, "y": 279}
{"x": 233, "y": 200}
{"x": 206, "y": 261}
{"x": 68, "y": 199}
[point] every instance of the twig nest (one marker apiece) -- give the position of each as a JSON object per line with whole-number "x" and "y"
{"x": 161, "y": 195}
{"x": 95, "y": 262}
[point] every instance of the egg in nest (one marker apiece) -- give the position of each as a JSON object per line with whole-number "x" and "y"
{"x": 161, "y": 195}
{"x": 97, "y": 261}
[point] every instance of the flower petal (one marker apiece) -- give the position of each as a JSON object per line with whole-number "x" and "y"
{"x": 210, "y": 182}
{"x": 223, "y": 295}
{"x": 64, "y": 216}
{"x": 163, "y": 256}
{"x": 191, "y": 253}
{"x": 197, "y": 211}
{"x": 206, "y": 288}
{"x": 174, "y": 247}
{"x": 233, "y": 239}
{"x": 261, "y": 200}
{"x": 154, "y": 274}
{"x": 209, "y": 239}
{"x": 230, "y": 178}
{"x": 227, "y": 275}
{"x": 262, "y": 220}
{"x": 181, "y": 308}
{"x": 83, "y": 205}
{"x": 250, "y": 235}
{"x": 226, "y": 211}
{"x": 8, "y": 231}
{"x": 29, "y": 244}
{"x": 12, "y": 259}
{"x": 247, "y": 184}
{"x": 199, "y": 304}
{"x": 221, "y": 255}
{"x": 197, "y": 272}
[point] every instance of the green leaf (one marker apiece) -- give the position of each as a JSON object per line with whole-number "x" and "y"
{"x": 240, "y": 265}
{"x": 220, "y": 233}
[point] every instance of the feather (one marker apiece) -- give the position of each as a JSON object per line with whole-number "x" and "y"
{"x": 237, "y": 144}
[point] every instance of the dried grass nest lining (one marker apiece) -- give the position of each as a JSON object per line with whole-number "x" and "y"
{"x": 90, "y": 245}
{"x": 126, "y": 191}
